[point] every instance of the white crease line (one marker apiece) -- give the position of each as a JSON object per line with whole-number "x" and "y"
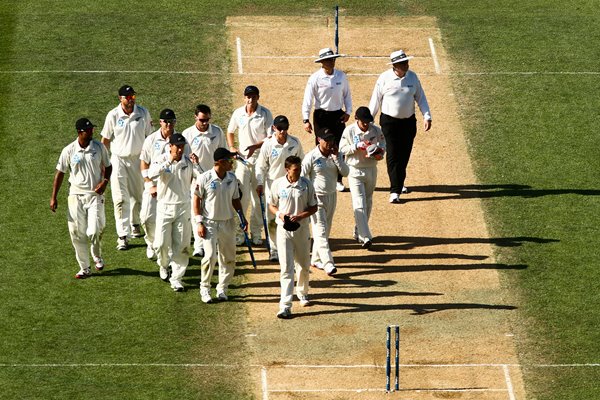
{"x": 238, "y": 43}
{"x": 383, "y": 390}
{"x": 170, "y": 72}
{"x": 265, "y": 386}
{"x": 436, "y": 63}
{"x": 509, "y": 385}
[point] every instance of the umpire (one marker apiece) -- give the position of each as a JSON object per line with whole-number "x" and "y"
{"x": 395, "y": 94}
{"x": 328, "y": 90}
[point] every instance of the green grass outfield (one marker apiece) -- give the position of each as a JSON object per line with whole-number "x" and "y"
{"x": 531, "y": 115}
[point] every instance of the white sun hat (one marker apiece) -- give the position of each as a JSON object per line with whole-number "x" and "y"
{"x": 325, "y": 54}
{"x": 398, "y": 56}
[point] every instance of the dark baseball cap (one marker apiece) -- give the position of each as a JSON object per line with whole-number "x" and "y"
{"x": 177, "y": 139}
{"x": 326, "y": 134}
{"x": 83, "y": 124}
{"x": 251, "y": 89}
{"x": 364, "y": 114}
{"x": 126, "y": 90}
{"x": 222, "y": 154}
{"x": 167, "y": 113}
{"x": 281, "y": 122}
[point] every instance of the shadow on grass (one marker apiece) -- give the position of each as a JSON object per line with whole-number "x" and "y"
{"x": 384, "y": 243}
{"x": 454, "y": 192}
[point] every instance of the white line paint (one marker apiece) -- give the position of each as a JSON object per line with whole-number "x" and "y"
{"x": 509, "y": 385}
{"x": 265, "y": 386}
{"x": 436, "y": 63}
{"x": 170, "y": 72}
{"x": 341, "y": 366}
{"x": 238, "y": 44}
{"x": 383, "y": 390}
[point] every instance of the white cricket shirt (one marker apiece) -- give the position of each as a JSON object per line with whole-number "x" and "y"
{"x": 352, "y": 136}
{"x": 292, "y": 198}
{"x": 127, "y": 132}
{"x": 217, "y": 194}
{"x": 174, "y": 179}
{"x": 323, "y": 171}
{"x": 84, "y": 165}
{"x": 204, "y": 144}
{"x": 271, "y": 159}
{"x": 251, "y": 129}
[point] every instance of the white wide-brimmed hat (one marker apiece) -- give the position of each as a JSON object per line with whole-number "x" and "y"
{"x": 325, "y": 54}
{"x": 398, "y": 56}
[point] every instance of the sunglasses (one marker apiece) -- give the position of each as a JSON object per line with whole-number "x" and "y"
{"x": 203, "y": 119}
{"x": 168, "y": 121}
{"x": 129, "y": 97}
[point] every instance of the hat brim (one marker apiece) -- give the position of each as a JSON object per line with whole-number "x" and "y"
{"x": 400, "y": 60}
{"x": 327, "y": 57}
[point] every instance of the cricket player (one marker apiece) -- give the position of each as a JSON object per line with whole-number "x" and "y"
{"x": 155, "y": 144}
{"x": 395, "y": 94}
{"x": 125, "y": 128}
{"x": 216, "y": 201}
{"x": 253, "y": 123}
{"x": 271, "y": 165}
{"x": 328, "y": 90}
{"x": 204, "y": 138}
{"x": 89, "y": 167}
{"x": 321, "y": 166}
{"x": 293, "y": 201}
{"x": 174, "y": 172}
{"x": 355, "y": 145}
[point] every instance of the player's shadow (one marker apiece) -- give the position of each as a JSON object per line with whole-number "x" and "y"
{"x": 392, "y": 243}
{"x": 417, "y": 309}
{"x": 474, "y": 191}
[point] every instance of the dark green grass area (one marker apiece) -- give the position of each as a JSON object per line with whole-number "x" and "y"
{"x": 533, "y": 138}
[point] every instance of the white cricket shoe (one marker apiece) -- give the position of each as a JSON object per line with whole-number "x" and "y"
{"x": 164, "y": 273}
{"x": 150, "y": 254}
{"x": 177, "y": 286}
{"x": 339, "y": 186}
{"x": 99, "y": 263}
{"x": 330, "y": 269}
{"x": 405, "y": 190}
{"x": 122, "y": 243}
{"x": 284, "y": 313}
{"x": 83, "y": 274}
{"x": 304, "y": 301}
{"x": 394, "y": 198}
{"x": 205, "y": 295}
{"x": 221, "y": 296}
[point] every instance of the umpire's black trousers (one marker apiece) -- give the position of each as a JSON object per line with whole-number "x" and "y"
{"x": 399, "y": 138}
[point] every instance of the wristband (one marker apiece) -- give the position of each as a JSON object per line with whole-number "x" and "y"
{"x": 144, "y": 173}
{"x": 198, "y": 219}
{"x": 304, "y": 121}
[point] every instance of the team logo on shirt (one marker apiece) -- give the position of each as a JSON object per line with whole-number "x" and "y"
{"x": 213, "y": 185}
{"x": 120, "y": 122}
{"x": 76, "y": 159}
{"x": 274, "y": 153}
{"x": 318, "y": 162}
{"x": 283, "y": 194}
{"x": 157, "y": 146}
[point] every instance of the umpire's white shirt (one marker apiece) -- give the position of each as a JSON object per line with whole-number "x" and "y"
{"x": 216, "y": 195}
{"x": 271, "y": 159}
{"x": 396, "y": 96}
{"x": 327, "y": 92}
{"x": 204, "y": 144}
{"x": 85, "y": 165}
{"x": 174, "y": 179}
{"x": 323, "y": 171}
{"x": 251, "y": 129}
{"x": 292, "y": 198}
{"x": 127, "y": 132}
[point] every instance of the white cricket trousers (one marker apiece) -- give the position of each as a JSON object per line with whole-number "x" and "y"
{"x": 294, "y": 255}
{"x": 86, "y": 221}
{"x": 148, "y": 217}
{"x": 127, "y": 186}
{"x": 173, "y": 233}
{"x": 245, "y": 174}
{"x": 362, "y": 183}
{"x": 219, "y": 245}
{"x": 321, "y": 222}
